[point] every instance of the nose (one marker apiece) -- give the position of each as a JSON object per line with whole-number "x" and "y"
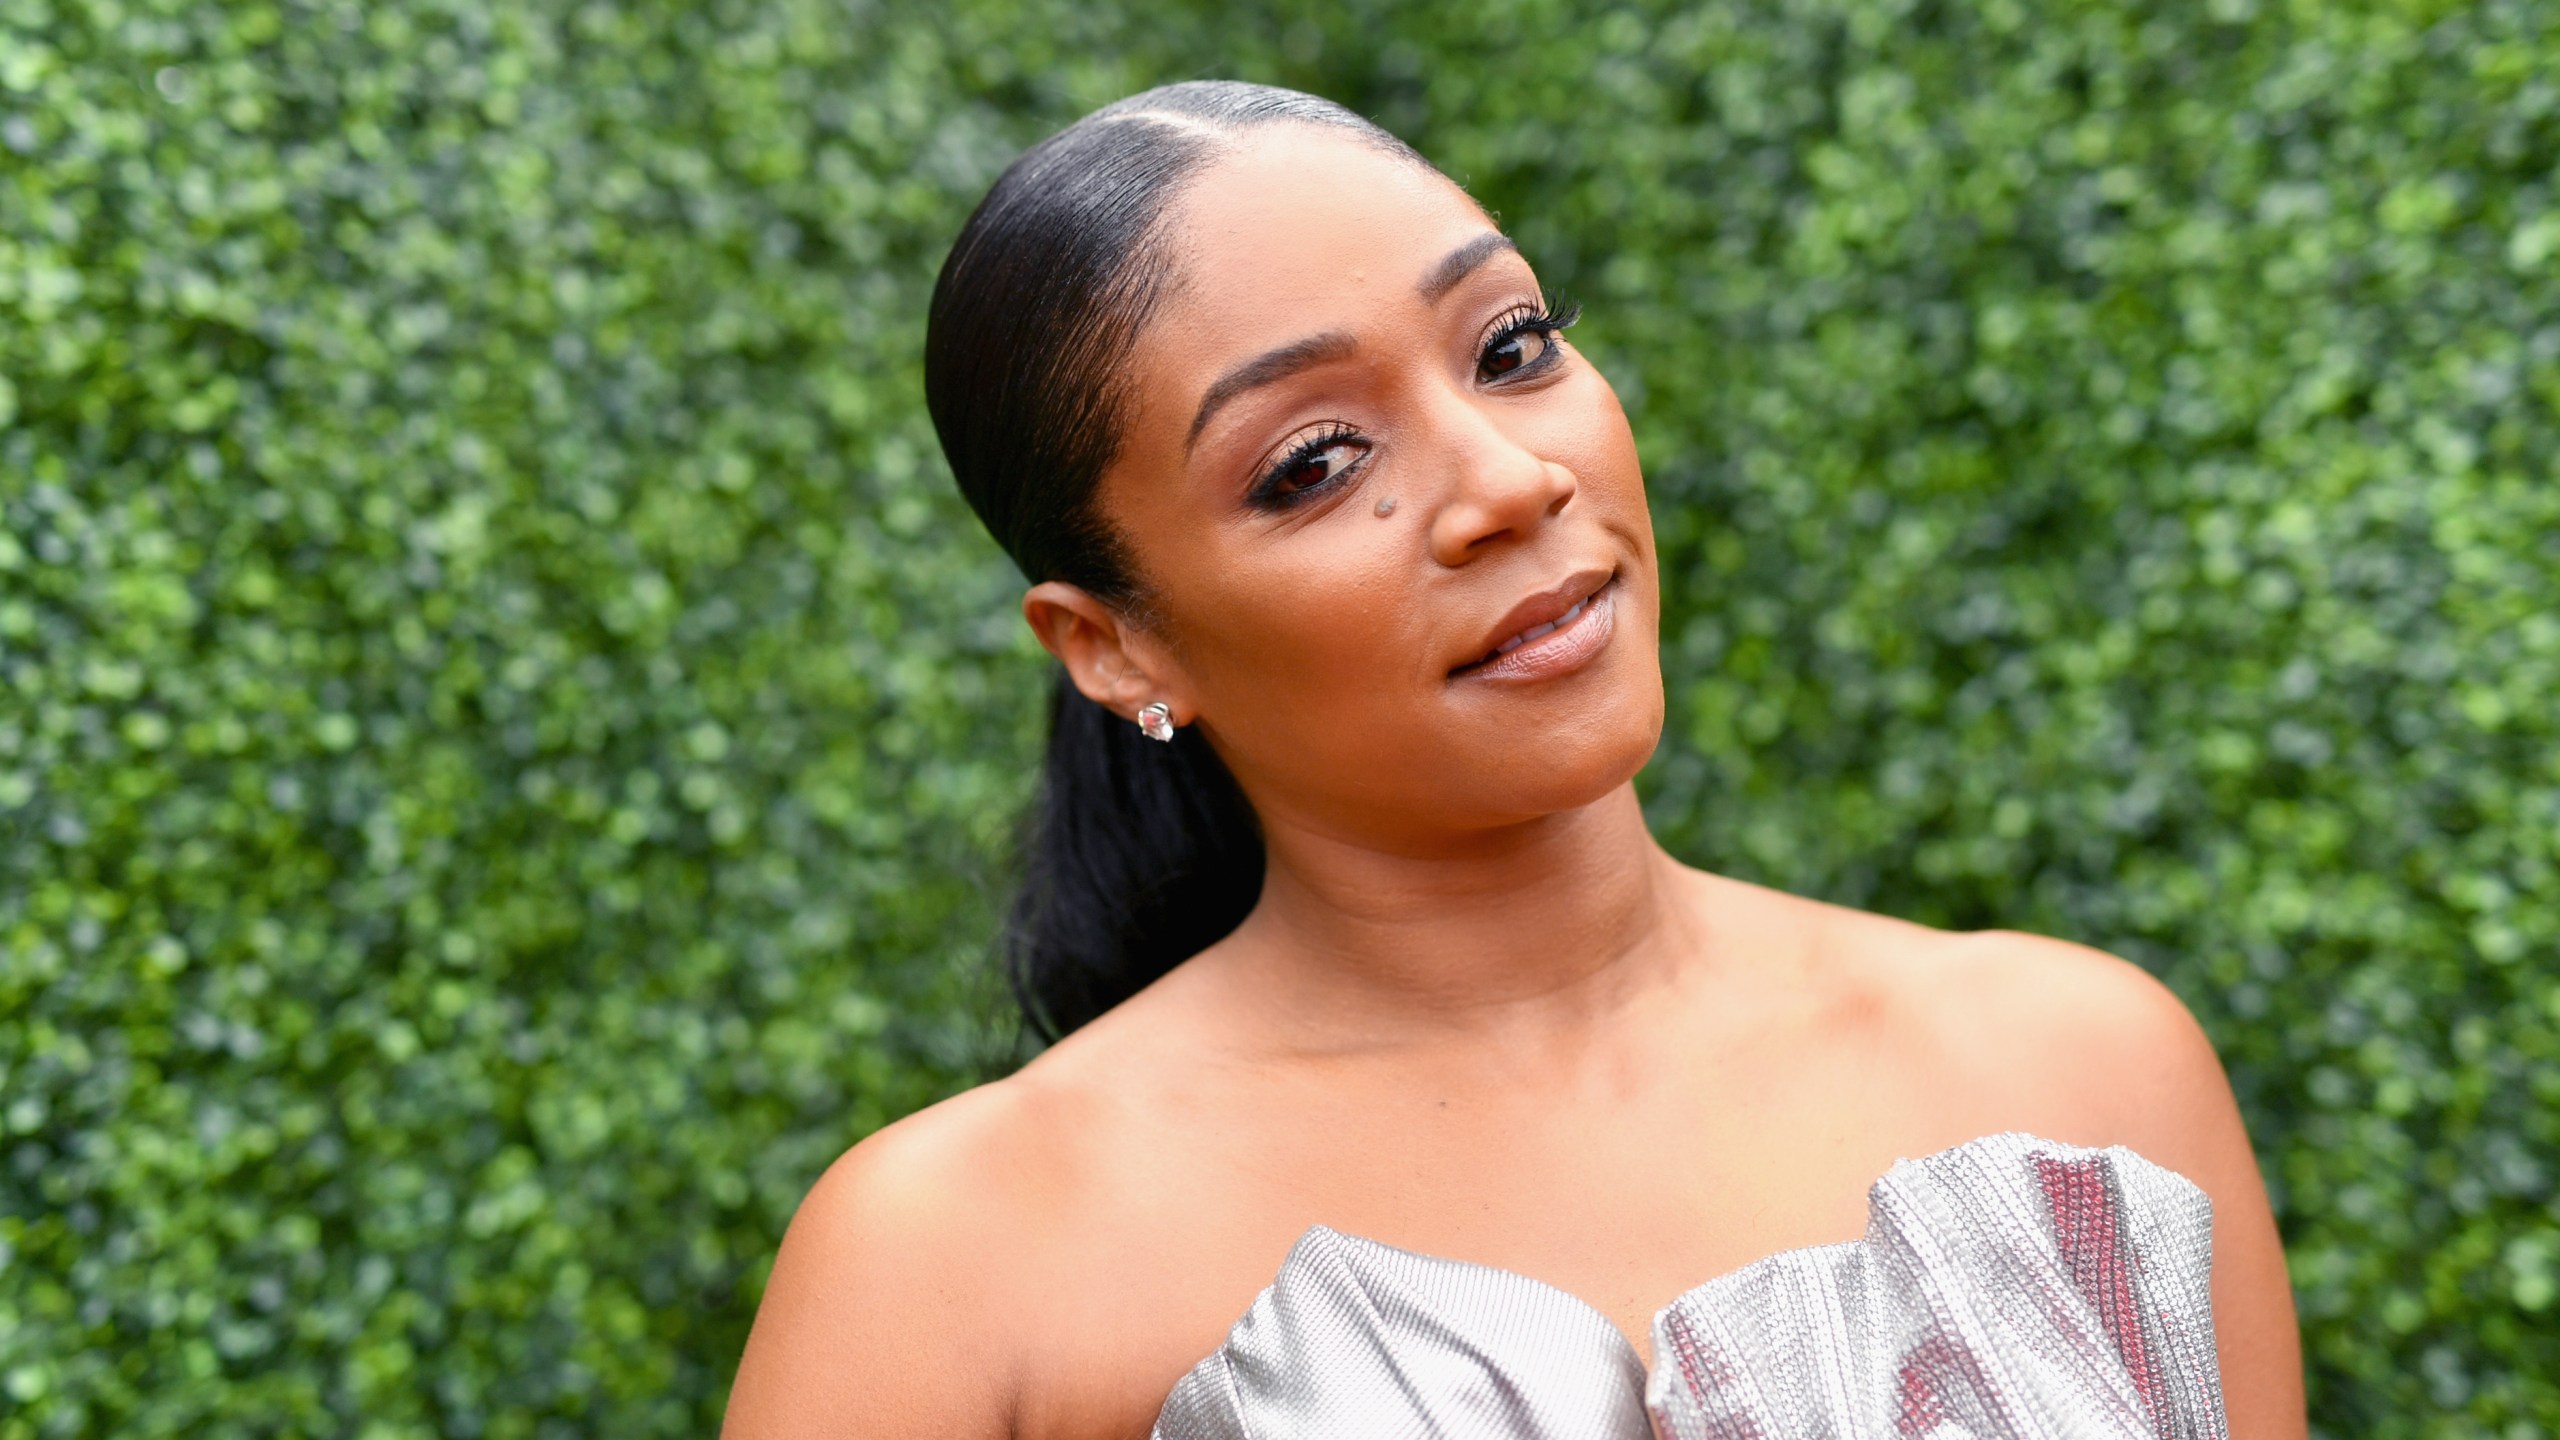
{"x": 1499, "y": 488}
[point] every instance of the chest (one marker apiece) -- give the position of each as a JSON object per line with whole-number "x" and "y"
{"x": 1620, "y": 1190}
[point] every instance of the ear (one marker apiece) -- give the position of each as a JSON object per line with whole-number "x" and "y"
{"x": 1118, "y": 666}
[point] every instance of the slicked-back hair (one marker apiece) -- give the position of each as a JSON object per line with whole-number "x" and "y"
{"x": 1137, "y": 855}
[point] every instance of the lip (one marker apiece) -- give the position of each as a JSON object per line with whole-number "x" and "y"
{"x": 1581, "y": 610}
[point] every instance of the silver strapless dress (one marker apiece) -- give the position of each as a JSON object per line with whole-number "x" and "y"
{"x": 2007, "y": 1287}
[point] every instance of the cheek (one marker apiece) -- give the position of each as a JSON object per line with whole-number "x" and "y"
{"x": 1585, "y": 430}
{"x": 1310, "y": 660}
{"x": 1292, "y": 625}
{"x": 1591, "y": 437}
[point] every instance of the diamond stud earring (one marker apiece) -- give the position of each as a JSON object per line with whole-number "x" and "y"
{"x": 1157, "y": 720}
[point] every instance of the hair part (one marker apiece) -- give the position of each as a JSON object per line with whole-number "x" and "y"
{"x": 1136, "y": 855}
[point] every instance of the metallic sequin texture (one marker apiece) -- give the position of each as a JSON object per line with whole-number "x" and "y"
{"x": 2006, "y": 1287}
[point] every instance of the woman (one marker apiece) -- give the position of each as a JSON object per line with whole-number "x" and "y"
{"x": 1375, "y": 958}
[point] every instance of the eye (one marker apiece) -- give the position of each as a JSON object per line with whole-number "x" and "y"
{"x": 1523, "y": 342}
{"x": 1307, "y": 471}
{"x": 1311, "y": 467}
{"x": 1518, "y": 350}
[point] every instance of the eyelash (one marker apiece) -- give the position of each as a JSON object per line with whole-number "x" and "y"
{"x": 1544, "y": 320}
{"x": 1267, "y": 491}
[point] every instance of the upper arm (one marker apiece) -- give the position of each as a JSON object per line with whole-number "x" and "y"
{"x": 875, "y": 1322}
{"x": 2140, "y": 1072}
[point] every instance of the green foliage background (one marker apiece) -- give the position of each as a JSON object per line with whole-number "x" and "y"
{"x": 506, "y": 738}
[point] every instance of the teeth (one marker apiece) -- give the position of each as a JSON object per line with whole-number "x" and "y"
{"x": 1534, "y": 631}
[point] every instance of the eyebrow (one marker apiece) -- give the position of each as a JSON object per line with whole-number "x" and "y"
{"x": 1458, "y": 264}
{"x": 1273, "y": 366}
{"x": 1267, "y": 368}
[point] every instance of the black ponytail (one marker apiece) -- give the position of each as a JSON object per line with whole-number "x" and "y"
{"x": 1138, "y": 854}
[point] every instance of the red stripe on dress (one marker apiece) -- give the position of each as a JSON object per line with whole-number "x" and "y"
{"x": 2088, "y": 1229}
{"x": 1700, "y": 1368}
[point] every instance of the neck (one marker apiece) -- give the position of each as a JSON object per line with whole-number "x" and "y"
{"x": 1553, "y": 917}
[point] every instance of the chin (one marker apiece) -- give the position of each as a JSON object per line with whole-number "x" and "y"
{"x": 1596, "y": 745}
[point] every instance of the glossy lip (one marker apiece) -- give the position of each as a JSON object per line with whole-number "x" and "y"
{"x": 1560, "y": 650}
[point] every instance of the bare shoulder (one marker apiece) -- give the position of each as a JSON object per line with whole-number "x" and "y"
{"x": 2031, "y": 1032}
{"x": 2088, "y": 1038}
{"x": 885, "y": 1308}
{"x": 2073, "y": 1043}
{"x": 920, "y": 1276}
{"x": 1976, "y": 1031}
{"x": 864, "y": 1325}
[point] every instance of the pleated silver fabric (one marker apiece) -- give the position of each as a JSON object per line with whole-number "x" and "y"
{"x": 1356, "y": 1338}
{"x": 2009, "y": 1288}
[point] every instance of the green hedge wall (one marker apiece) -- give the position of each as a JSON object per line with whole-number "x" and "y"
{"x": 506, "y": 738}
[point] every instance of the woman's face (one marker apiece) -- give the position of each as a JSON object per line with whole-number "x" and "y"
{"x": 1358, "y": 467}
